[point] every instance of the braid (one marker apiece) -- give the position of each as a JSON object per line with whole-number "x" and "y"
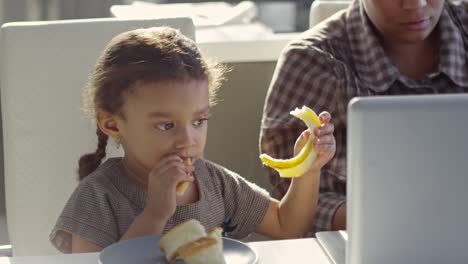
{"x": 89, "y": 162}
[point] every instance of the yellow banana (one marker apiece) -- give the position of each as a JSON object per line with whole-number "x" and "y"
{"x": 298, "y": 165}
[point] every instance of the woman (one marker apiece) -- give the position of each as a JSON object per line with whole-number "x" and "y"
{"x": 375, "y": 47}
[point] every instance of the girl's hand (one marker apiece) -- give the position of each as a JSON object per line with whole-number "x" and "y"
{"x": 161, "y": 201}
{"x": 324, "y": 142}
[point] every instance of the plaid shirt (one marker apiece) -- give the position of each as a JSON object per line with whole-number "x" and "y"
{"x": 336, "y": 61}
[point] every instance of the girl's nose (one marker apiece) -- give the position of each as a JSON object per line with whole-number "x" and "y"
{"x": 185, "y": 137}
{"x": 413, "y": 4}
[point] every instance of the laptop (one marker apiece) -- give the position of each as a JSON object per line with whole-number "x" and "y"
{"x": 407, "y": 187}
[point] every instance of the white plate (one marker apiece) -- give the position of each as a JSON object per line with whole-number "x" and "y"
{"x": 145, "y": 250}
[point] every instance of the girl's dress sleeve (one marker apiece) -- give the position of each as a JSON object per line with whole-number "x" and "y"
{"x": 88, "y": 214}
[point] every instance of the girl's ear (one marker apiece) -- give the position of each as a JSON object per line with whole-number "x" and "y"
{"x": 108, "y": 124}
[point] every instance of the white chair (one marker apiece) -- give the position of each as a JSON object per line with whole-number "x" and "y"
{"x": 322, "y": 9}
{"x": 44, "y": 68}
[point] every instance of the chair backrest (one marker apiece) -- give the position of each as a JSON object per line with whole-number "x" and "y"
{"x": 45, "y": 65}
{"x": 322, "y": 9}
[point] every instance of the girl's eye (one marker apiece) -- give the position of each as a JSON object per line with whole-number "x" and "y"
{"x": 200, "y": 121}
{"x": 164, "y": 126}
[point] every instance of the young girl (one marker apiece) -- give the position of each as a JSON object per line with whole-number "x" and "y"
{"x": 151, "y": 90}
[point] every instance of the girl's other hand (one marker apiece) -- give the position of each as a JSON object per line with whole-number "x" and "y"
{"x": 324, "y": 142}
{"x": 161, "y": 198}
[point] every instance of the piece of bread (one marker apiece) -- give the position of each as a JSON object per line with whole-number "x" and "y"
{"x": 205, "y": 250}
{"x": 183, "y": 185}
{"x": 181, "y": 234}
{"x": 216, "y": 233}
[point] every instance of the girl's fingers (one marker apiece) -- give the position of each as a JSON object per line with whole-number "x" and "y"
{"x": 165, "y": 160}
{"x": 174, "y": 170}
{"x": 323, "y": 140}
{"x": 173, "y": 161}
{"x": 171, "y": 164}
{"x": 325, "y": 148}
{"x": 189, "y": 177}
{"x": 189, "y": 169}
{"x": 171, "y": 157}
{"x": 302, "y": 138}
{"x": 324, "y": 129}
{"x": 325, "y": 117}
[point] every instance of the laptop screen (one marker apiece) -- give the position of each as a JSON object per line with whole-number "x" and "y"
{"x": 407, "y": 179}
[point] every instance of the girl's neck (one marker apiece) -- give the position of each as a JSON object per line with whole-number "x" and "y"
{"x": 414, "y": 60}
{"x": 135, "y": 172}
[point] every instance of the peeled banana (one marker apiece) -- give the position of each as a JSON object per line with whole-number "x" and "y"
{"x": 298, "y": 165}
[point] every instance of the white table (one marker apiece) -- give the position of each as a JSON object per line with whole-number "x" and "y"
{"x": 305, "y": 250}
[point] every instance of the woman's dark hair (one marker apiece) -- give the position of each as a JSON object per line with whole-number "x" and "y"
{"x": 139, "y": 56}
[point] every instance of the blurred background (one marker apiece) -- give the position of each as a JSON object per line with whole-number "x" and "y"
{"x": 269, "y": 11}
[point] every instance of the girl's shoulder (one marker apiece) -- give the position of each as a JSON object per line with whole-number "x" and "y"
{"x": 104, "y": 178}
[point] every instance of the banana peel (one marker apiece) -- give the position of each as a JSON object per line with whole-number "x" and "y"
{"x": 298, "y": 165}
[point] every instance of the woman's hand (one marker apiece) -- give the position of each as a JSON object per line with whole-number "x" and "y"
{"x": 324, "y": 142}
{"x": 161, "y": 201}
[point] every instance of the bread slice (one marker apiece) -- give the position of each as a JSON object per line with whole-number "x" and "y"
{"x": 206, "y": 250}
{"x": 181, "y": 234}
{"x": 183, "y": 185}
{"x": 216, "y": 233}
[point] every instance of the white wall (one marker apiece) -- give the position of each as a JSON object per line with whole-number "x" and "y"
{"x": 70, "y": 9}
{"x": 13, "y": 10}
{"x": 1, "y": 11}
{"x": 20, "y": 10}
